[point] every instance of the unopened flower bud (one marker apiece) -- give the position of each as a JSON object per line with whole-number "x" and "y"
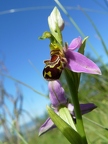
{"x": 55, "y": 19}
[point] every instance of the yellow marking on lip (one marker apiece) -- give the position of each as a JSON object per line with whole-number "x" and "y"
{"x": 47, "y": 73}
{"x": 59, "y": 68}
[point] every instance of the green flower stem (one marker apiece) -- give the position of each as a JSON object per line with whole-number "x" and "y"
{"x": 73, "y": 83}
{"x": 74, "y": 95}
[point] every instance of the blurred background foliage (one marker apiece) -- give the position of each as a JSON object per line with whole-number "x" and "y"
{"x": 93, "y": 88}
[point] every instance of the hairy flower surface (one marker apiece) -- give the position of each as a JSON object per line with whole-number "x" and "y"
{"x": 57, "y": 97}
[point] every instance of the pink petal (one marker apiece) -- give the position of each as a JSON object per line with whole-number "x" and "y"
{"x": 80, "y": 63}
{"x": 85, "y": 108}
{"x": 56, "y": 93}
{"x": 48, "y": 125}
{"x": 75, "y": 43}
{"x": 71, "y": 108}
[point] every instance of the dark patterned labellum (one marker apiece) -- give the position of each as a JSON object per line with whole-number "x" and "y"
{"x": 53, "y": 68}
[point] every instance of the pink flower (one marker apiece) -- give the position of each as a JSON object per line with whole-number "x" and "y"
{"x": 57, "y": 98}
{"x": 68, "y": 58}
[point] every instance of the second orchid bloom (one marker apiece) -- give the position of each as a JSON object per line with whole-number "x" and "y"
{"x": 58, "y": 99}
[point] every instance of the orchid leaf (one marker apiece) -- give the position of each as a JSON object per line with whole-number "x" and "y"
{"x": 72, "y": 136}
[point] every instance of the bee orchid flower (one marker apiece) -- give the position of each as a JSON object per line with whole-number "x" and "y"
{"x": 58, "y": 98}
{"x": 68, "y": 58}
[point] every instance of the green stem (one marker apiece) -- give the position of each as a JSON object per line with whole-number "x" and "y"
{"x": 74, "y": 96}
